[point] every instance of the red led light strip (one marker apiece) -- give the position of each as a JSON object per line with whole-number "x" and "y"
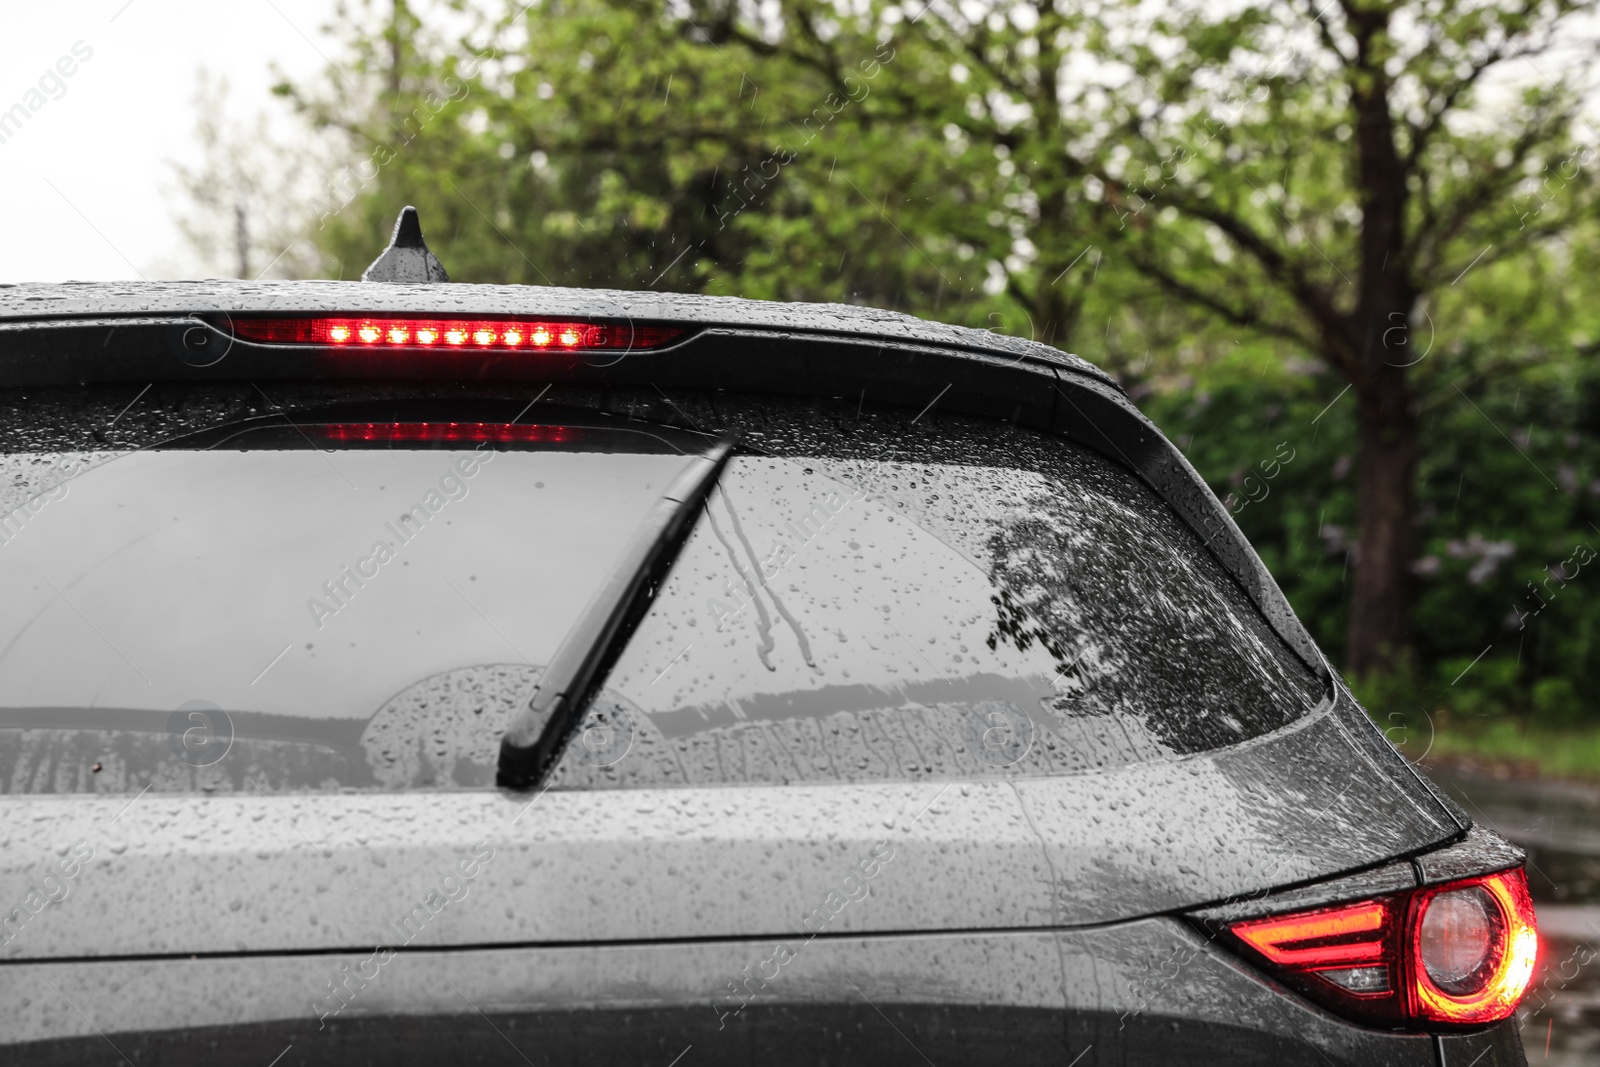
{"x": 447, "y": 431}
{"x": 469, "y": 334}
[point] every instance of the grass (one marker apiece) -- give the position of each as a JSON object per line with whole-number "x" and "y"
{"x": 1493, "y": 727}
{"x": 1509, "y": 746}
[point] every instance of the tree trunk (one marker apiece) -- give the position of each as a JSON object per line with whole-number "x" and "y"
{"x": 1058, "y": 295}
{"x": 1380, "y": 605}
{"x": 1055, "y": 313}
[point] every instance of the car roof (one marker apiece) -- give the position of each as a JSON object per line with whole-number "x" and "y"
{"x": 95, "y": 300}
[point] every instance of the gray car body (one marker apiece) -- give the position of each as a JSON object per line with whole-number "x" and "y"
{"x": 224, "y": 921}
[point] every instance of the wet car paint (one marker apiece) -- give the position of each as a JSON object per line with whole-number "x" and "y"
{"x": 168, "y": 874}
{"x": 1151, "y": 992}
{"x": 192, "y": 874}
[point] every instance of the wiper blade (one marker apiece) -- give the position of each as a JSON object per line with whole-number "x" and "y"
{"x": 581, "y": 664}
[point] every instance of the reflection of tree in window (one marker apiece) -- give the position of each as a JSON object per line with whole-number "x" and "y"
{"x": 1146, "y": 628}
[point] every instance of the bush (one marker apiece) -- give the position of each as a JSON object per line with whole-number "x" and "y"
{"x": 1507, "y": 570}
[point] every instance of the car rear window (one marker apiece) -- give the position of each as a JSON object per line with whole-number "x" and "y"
{"x": 283, "y": 607}
{"x": 879, "y": 599}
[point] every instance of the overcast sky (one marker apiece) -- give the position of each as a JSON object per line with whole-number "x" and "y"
{"x": 87, "y": 193}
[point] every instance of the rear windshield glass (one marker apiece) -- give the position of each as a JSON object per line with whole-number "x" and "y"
{"x": 364, "y": 605}
{"x": 1006, "y": 603}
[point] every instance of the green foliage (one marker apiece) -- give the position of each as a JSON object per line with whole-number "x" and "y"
{"x": 1172, "y": 190}
{"x": 1510, "y": 492}
{"x": 1045, "y": 169}
{"x": 623, "y": 147}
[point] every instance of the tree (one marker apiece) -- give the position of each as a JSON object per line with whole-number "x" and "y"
{"x": 1351, "y": 179}
{"x": 1329, "y": 175}
{"x": 1318, "y": 172}
{"x": 603, "y": 142}
{"x": 240, "y": 213}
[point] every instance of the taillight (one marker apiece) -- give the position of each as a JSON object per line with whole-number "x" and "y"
{"x": 1474, "y": 945}
{"x": 525, "y": 335}
{"x": 1459, "y": 954}
{"x": 1347, "y": 946}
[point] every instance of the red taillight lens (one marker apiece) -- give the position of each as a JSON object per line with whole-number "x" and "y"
{"x": 1460, "y": 954}
{"x": 1347, "y": 946}
{"x": 472, "y": 334}
{"x": 1473, "y": 945}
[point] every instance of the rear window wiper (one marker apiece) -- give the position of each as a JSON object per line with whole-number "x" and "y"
{"x": 580, "y": 665}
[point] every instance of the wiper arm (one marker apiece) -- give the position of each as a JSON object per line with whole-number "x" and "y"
{"x": 591, "y": 648}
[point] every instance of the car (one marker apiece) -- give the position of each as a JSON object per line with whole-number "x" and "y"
{"x": 403, "y": 671}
